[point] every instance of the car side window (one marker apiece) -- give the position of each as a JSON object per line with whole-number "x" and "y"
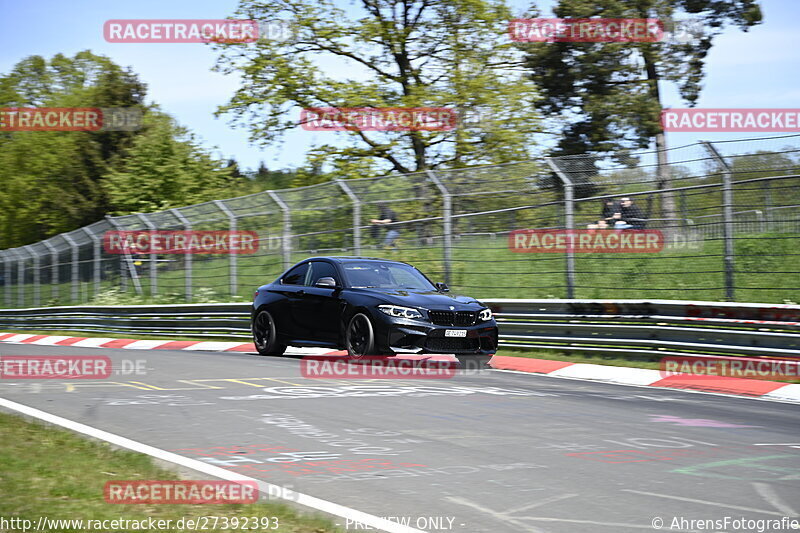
{"x": 296, "y": 276}
{"x": 321, "y": 269}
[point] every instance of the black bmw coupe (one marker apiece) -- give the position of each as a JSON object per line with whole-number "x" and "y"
{"x": 369, "y": 307}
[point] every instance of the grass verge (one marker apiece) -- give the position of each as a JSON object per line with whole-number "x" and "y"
{"x": 51, "y": 472}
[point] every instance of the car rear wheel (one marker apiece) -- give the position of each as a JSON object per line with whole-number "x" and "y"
{"x": 265, "y": 336}
{"x": 360, "y": 336}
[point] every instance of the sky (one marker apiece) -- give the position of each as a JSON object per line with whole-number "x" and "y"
{"x": 757, "y": 69}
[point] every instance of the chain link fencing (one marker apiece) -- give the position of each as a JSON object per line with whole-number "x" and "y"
{"x": 729, "y": 213}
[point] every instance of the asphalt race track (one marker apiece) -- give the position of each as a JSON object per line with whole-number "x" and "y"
{"x": 489, "y": 452}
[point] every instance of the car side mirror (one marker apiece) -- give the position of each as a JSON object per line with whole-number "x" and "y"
{"x": 441, "y": 287}
{"x": 327, "y": 282}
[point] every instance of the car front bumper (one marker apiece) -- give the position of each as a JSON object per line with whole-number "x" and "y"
{"x": 399, "y": 335}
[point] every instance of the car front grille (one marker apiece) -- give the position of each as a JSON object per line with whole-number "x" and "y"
{"x": 452, "y": 345}
{"x": 453, "y": 318}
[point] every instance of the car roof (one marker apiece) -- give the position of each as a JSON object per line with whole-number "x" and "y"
{"x": 352, "y": 258}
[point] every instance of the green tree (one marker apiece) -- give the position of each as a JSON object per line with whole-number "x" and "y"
{"x": 389, "y": 53}
{"x": 609, "y": 92}
{"x": 52, "y": 181}
{"x": 166, "y": 168}
{"x": 266, "y": 179}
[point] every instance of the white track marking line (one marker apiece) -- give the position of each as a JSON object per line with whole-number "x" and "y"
{"x": 772, "y": 498}
{"x": 268, "y": 488}
{"x": 495, "y": 514}
{"x": 704, "y": 502}
{"x": 551, "y": 499}
{"x": 518, "y": 520}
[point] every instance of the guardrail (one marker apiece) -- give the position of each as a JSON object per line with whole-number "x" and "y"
{"x": 621, "y": 327}
{"x": 219, "y": 321}
{"x": 650, "y": 327}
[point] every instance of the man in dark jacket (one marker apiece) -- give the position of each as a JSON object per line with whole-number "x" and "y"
{"x": 386, "y": 216}
{"x": 610, "y": 206}
{"x": 632, "y": 214}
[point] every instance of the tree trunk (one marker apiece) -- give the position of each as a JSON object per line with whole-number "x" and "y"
{"x": 665, "y": 181}
{"x": 664, "y": 178}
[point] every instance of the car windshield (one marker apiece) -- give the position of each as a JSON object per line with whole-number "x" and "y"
{"x": 378, "y": 275}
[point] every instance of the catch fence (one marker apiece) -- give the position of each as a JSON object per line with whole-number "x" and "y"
{"x": 729, "y": 213}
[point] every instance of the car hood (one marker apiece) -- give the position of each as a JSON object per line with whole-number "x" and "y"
{"x": 425, "y": 299}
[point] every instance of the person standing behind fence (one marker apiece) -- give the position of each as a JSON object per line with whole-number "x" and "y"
{"x": 610, "y": 206}
{"x": 632, "y": 214}
{"x": 387, "y": 216}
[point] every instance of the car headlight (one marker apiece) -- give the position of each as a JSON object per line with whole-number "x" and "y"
{"x": 484, "y": 315}
{"x": 399, "y": 311}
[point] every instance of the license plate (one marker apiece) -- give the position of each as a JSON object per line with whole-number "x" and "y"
{"x": 455, "y": 333}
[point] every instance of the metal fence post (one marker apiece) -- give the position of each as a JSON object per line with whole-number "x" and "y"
{"x": 55, "y": 290}
{"x": 727, "y": 220}
{"x": 232, "y": 258}
{"x": 356, "y": 215}
{"x": 187, "y": 270}
{"x": 569, "y": 216}
{"x": 153, "y": 256}
{"x": 126, "y": 263}
{"x": 96, "y": 258}
{"x": 74, "y": 266}
{"x": 768, "y": 205}
{"x": 447, "y": 224}
{"x": 36, "y": 279}
{"x": 20, "y": 278}
{"x": 7, "y": 276}
{"x": 286, "y": 241}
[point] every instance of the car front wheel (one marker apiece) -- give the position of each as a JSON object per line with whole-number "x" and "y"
{"x": 360, "y": 336}
{"x": 265, "y": 336}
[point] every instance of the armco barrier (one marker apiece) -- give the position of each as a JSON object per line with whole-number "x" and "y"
{"x": 225, "y": 320}
{"x": 621, "y": 327}
{"x": 650, "y": 327}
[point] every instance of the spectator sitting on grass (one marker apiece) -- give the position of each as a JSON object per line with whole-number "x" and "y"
{"x": 600, "y": 224}
{"x": 610, "y": 206}
{"x": 632, "y": 214}
{"x": 619, "y": 222}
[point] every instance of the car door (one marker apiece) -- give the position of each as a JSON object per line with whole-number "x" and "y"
{"x": 292, "y": 288}
{"x": 320, "y": 307}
